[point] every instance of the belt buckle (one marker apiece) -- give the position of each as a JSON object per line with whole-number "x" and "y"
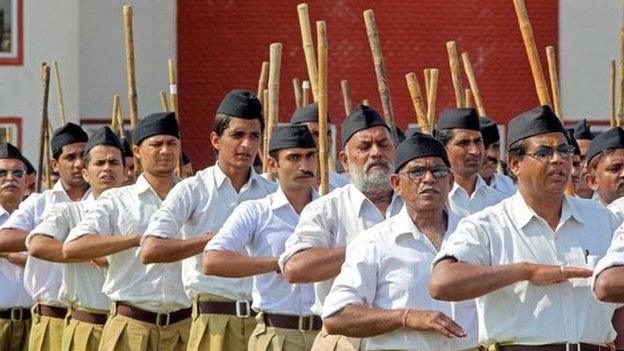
{"x": 301, "y": 323}
{"x": 239, "y": 304}
{"x": 167, "y": 319}
{"x": 17, "y": 312}
{"x": 569, "y": 346}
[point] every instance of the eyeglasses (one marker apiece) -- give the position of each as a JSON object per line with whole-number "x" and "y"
{"x": 17, "y": 173}
{"x": 547, "y": 152}
{"x": 418, "y": 173}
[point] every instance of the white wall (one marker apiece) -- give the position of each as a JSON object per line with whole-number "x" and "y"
{"x": 589, "y": 33}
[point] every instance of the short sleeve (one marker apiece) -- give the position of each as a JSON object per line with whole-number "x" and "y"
{"x": 174, "y": 212}
{"x": 614, "y": 256}
{"x": 24, "y": 217}
{"x": 468, "y": 243}
{"x": 238, "y": 230}
{"x": 55, "y": 224}
{"x": 99, "y": 220}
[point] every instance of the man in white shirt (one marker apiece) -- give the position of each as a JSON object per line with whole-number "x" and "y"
{"x": 129, "y": 167}
{"x": 533, "y": 252}
{"x": 491, "y": 159}
{"x": 459, "y": 130}
{"x": 381, "y": 292}
{"x": 15, "y": 302}
{"x": 48, "y": 320}
{"x": 81, "y": 288}
{"x": 262, "y": 226}
{"x": 196, "y": 208}
{"x": 605, "y": 169}
{"x": 315, "y": 252}
{"x": 150, "y": 310}
{"x": 583, "y": 136}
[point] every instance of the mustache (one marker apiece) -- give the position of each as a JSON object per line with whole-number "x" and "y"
{"x": 10, "y": 185}
{"x": 425, "y": 188}
{"x": 489, "y": 159}
{"x": 304, "y": 174}
{"x": 372, "y": 164}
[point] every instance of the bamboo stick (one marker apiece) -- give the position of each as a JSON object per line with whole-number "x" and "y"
{"x": 164, "y": 104}
{"x": 45, "y": 89}
{"x": 265, "y": 148}
{"x": 474, "y": 87}
{"x": 346, "y": 97}
{"x": 114, "y": 121}
{"x": 305, "y": 89}
{"x": 418, "y": 102}
{"x": 620, "y": 118}
{"x": 321, "y": 36}
{"x": 120, "y": 122}
{"x": 308, "y": 47}
{"x": 380, "y": 72}
{"x": 173, "y": 88}
{"x": 130, "y": 68}
{"x": 427, "y": 75}
{"x": 59, "y": 92}
{"x": 7, "y": 134}
{"x": 554, "y": 81}
{"x": 46, "y": 160}
{"x": 297, "y": 92}
{"x": 451, "y": 49}
{"x": 262, "y": 81}
{"x": 531, "y": 50}
{"x": 469, "y": 99}
{"x": 612, "y": 98}
{"x": 431, "y": 100}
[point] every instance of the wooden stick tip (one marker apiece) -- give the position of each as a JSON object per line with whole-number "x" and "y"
{"x": 127, "y": 9}
{"x": 450, "y": 44}
{"x": 302, "y": 7}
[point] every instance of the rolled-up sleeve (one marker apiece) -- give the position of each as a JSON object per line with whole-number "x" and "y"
{"x": 55, "y": 224}
{"x": 237, "y": 231}
{"x": 614, "y": 256}
{"x": 174, "y": 212}
{"x": 24, "y": 217}
{"x": 468, "y": 243}
{"x": 357, "y": 282}
{"x": 99, "y": 220}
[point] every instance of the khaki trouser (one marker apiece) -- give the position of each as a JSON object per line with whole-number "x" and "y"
{"x": 126, "y": 334}
{"x": 14, "y": 335}
{"x": 329, "y": 342}
{"x": 216, "y": 332}
{"x": 265, "y": 338}
{"x": 46, "y": 333}
{"x": 82, "y": 336}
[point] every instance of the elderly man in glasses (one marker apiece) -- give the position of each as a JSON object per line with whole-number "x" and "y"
{"x": 533, "y": 252}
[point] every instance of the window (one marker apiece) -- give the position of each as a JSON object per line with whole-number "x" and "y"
{"x": 11, "y": 48}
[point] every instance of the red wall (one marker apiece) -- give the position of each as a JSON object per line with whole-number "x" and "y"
{"x": 221, "y": 45}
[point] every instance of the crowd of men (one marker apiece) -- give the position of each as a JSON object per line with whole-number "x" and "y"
{"x": 421, "y": 244}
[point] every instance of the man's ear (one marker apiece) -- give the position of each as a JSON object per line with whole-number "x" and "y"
{"x": 55, "y": 165}
{"x": 136, "y": 150}
{"x": 214, "y": 140}
{"x": 513, "y": 163}
{"x": 342, "y": 158}
{"x": 590, "y": 179}
{"x": 395, "y": 182}
{"x": 272, "y": 165}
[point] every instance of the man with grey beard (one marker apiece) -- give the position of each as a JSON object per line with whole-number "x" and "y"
{"x": 316, "y": 250}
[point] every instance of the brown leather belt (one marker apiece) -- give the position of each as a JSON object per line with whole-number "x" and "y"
{"x": 51, "y": 311}
{"x": 240, "y": 308}
{"x": 15, "y": 314}
{"x": 159, "y": 319}
{"x": 89, "y": 317}
{"x": 554, "y": 347}
{"x": 303, "y": 323}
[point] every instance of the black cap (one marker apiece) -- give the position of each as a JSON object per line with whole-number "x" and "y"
{"x": 69, "y": 133}
{"x": 103, "y": 136}
{"x": 572, "y": 141}
{"x": 361, "y": 118}
{"x": 540, "y": 120}
{"x": 307, "y": 113}
{"x": 412, "y": 131}
{"x": 459, "y": 118}
{"x": 611, "y": 139}
{"x": 291, "y": 136}
{"x": 242, "y": 104}
{"x": 8, "y": 150}
{"x": 417, "y": 146}
{"x": 160, "y": 123}
{"x": 489, "y": 131}
{"x": 400, "y": 134}
{"x": 127, "y": 149}
{"x": 30, "y": 169}
{"x": 185, "y": 159}
{"x": 582, "y": 130}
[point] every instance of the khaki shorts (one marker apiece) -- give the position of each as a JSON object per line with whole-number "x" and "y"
{"x": 14, "y": 334}
{"x": 265, "y": 338}
{"x": 329, "y": 342}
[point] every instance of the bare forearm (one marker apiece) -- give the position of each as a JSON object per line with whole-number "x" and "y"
{"x": 618, "y": 325}
{"x": 159, "y": 250}
{"x": 15, "y": 258}
{"x": 13, "y": 240}
{"x": 362, "y": 322}
{"x": 609, "y": 286}
{"x": 314, "y": 265}
{"x": 235, "y": 265}
{"x": 457, "y": 281}
{"x": 46, "y": 248}
{"x": 94, "y": 246}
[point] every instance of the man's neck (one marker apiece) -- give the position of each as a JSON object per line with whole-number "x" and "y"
{"x": 381, "y": 200}
{"x": 298, "y": 198}
{"x": 238, "y": 177}
{"x": 74, "y": 193}
{"x": 432, "y": 223}
{"x": 468, "y": 183}
{"x": 546, "y": 206}
{"x": 487, "y": 181}
{"x": 161, "y": 184}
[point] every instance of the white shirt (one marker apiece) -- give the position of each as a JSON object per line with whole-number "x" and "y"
{"x": 512, "y": 232}
{"x": 82, "y": 283}
{"x": 617, "y": 208}
{"x": 389, "y": 267}
{"x": 482, "y": 196}
{"x": 504, "y": 184}
{"x": 42, "y": 279}
{"x": 11, "y": 280}
{"x": 199, "y": 205}
{"x": 262, "y": 226}
{"x": 127, "y": 210}
{"x": 332, "y": 221}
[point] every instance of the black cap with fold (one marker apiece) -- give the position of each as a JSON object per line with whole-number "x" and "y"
{"x": 127, "y": 149}
{"x": 489, "y": 131}
{"x": 582, "y": 130}
{"x": 611, "y": 139}
{"x": 307, "y": 113}
{"x": 103, "y": 136}
{"x": 540, "y": 120}
{"x": 185, "y": 159}
{"x": 241, "y": 103}
{"x": 417, "y": 146}
{"x": 361, "y": 118}
{"x": 159, "y": 123}
{"x": 572, "y": 141}
{"x": 69, "y": 133}
{"x": 8, "y": 150}
{"x": 459, "y": 118}
{"x": 290, "y": 136}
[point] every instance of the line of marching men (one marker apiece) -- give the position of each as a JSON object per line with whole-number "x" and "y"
{"x": 425, "y": 247}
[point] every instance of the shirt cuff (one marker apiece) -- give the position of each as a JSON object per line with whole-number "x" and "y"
{"x": 290, "y": 252}
{"x": 336, "y": 301}
{"x": 610, "y": 260}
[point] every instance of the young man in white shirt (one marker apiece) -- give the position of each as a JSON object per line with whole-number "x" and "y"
{"x": 315, "y": 251}
{"x": 262, "y": 227}
{"x": 491, "y": 159}
{"x": 67, "y": 144}
{"x": 583, "y": 136}
{"x": 150, "y": 307}
{"x": 81, "y": 288}
{"x": 533, "y": 252}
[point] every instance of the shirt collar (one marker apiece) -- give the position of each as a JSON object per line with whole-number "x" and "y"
{"x": 141, "y": 185}
{"x": 3, "y": 212}
{"x": 403, "y": 224}
{"x": 58, "y": 189}
{"x": 479, "y": 184}
{"x": 221, "y": 177}
{"x": 524, "y": 213}
{"x": 279, "y": 199}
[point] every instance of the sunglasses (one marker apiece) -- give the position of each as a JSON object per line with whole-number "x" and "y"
{"x": 547, "y": 152}
{"x": 17, "y": 173}
{"x": 417, "y": 173}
